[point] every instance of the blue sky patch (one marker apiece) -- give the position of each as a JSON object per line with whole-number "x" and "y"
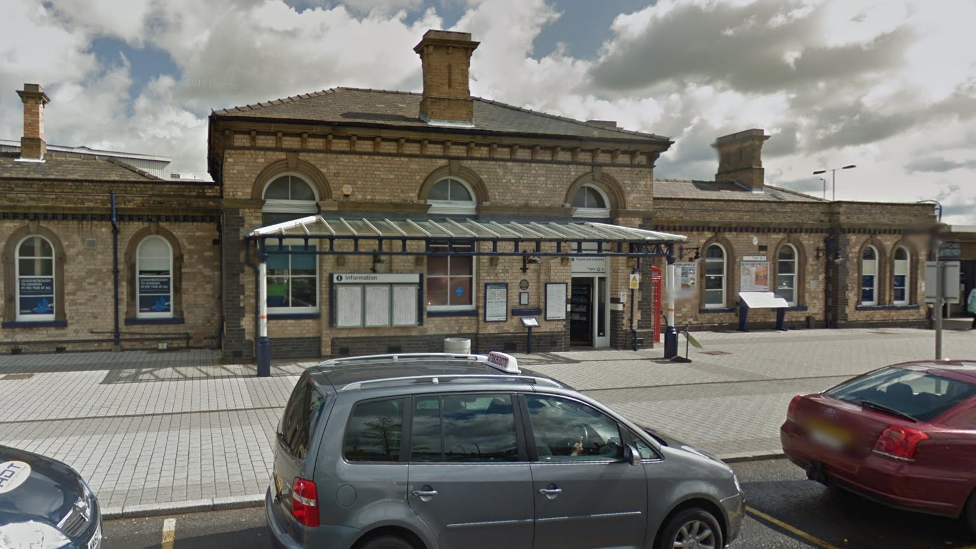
{"x": 145, "y": 63}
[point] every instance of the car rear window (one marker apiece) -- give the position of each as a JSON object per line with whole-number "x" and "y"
{"x": 298, "y": 421}
{"x": 920, "y": 395}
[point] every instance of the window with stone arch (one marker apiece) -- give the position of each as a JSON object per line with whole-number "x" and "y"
{"x": 786, "y": 273}
{"x": 292, "y": 282}
{"x": 869, "y": 276}
{"x": 591, "y": 202}
{"x": 154, "y": 278}
{"x": 901, "y": 276}
{"x": 715, "y": 284}
{"x": 35, "y": 276}
{"x": 451, "y": 196}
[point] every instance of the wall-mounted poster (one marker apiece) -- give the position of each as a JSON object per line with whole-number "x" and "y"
{"x": 754, "y": 276}
{"x": 496, "y": 301}
{"x": 687, "y": 274}
{"x": 556, "y": 301}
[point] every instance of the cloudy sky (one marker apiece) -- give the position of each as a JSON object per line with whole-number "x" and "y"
{"x": 888, "y": 85}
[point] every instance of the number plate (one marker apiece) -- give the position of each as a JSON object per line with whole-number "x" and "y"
{"x": 830, "y": 436}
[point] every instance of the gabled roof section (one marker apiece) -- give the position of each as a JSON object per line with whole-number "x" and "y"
{"x": 68, "y": 168}
{"x": 724, "y": 190}
{"x": 355, "y": 106}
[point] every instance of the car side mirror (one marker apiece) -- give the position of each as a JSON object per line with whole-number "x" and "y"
{"x": 632, "y": 454}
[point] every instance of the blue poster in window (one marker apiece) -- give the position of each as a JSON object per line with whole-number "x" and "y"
{"x": 154, "y": 285}
{"x": 37, "y": 287}
{"x": 154, "y": 304}
{"x": 36, "y": 306}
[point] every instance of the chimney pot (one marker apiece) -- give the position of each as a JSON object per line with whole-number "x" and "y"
{"x": 32, "y": 145}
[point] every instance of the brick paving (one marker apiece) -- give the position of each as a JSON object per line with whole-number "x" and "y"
{"x": 172, "y": 428}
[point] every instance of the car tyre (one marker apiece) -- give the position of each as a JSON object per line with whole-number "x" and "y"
{"x": 387, "y": 542}
{"x": 969, "y": 513}
{"x": 691, "y": 524}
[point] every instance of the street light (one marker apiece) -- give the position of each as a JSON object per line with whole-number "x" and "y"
{"x": 824, "y": 181}
{"x": 833, "y": 179}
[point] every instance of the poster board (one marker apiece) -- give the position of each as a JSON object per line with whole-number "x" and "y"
{"x": 377, "y": 305}
{"x": 349, "y": 306}
{"x": 556, "y": 301}
{"x": 754, "y": 276}
{"x": 687, "y": 274}
{"x": 405, "y": 305}
{"x": 496, "y": 301}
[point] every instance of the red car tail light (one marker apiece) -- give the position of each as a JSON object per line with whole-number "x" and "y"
{"x": 305, "y": 502}
{"x": 791, "y": 410}
{"x": 899, "y": 442}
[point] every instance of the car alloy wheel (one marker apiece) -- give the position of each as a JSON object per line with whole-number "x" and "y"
{"x": 694, "y": 534}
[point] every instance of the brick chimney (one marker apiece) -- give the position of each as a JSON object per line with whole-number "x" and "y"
{"x": 740, "y": 159}
{"x": 32, "y": 146}
{"x": 446, "y": 57}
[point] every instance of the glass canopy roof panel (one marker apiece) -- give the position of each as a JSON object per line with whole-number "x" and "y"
{"x": 460, "y": 229}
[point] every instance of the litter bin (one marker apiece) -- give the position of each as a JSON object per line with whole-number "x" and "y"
{"x": 457, "y": 345}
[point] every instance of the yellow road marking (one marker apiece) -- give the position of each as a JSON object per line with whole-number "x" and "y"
{"x": 796, "y": 531}
{"x": 169, "y": 533}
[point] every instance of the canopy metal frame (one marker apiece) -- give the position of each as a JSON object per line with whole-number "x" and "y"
{"x": 457, "y": 238}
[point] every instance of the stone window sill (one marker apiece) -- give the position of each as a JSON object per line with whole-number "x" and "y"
{"x": 139, "y": 321}
{"x": 437, "y": 314}
{"x": 887, "y": 307}
{"x": 35, "y": 324}
{"x": 722, "y": 310}
{"x": 294, "y": 316}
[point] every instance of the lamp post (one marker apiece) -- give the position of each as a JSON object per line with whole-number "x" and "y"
{"x": 833, "y": 179}
{"x": 824, "y": 181}
{"x": 939, "y": 275}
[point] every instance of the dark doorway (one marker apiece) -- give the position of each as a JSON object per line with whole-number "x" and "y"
{"x": 581, "y": 312}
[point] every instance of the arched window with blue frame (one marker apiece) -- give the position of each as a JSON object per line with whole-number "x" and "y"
{"x": 35, "y": 280}
{"x": 154, "y": 278}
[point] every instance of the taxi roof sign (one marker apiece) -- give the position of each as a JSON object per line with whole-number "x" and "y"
{"x": 503, "y": 362}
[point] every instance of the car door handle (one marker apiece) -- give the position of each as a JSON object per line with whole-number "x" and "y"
{"x": 425, "y": 493}
{"x": 550, "y": 491}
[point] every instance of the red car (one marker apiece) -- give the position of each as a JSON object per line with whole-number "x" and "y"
{"x": 903, "y": 435}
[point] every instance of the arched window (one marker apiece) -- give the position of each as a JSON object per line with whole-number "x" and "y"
{"x": 35, "y": 279}
{"x": 786, "y": 273}
{"x": 715, "y": 277}
{"x": 901, "y": 277}
{"x": 286, "y": 198}
{"x": 451, "y": 196}
{"x": 293, "y": 277}
{"x": 869, "y": 276}
{"x": 154, "y": 274}
{"x": 591, "y": 202}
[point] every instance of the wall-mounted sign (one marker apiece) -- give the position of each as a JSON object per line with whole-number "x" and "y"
{"x": 496, "y": 302}
{"x": 753, "y": 258}
{"x": 589, "y": 264}
{"x": 950, "y": 249}
{"x": 634, "y": 281}
{"x": 376, "y": 278}
{"x": 523, "y": 284}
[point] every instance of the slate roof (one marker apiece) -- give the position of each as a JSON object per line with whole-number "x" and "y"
{"x": 402, "y": 109}
{"x": 71, "y": 168}
{"x": 724, "y": 190}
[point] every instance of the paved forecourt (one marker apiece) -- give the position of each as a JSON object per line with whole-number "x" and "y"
{"x": 156, "y": 431}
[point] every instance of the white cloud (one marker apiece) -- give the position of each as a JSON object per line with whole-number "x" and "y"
{"x": 889, "y": 85}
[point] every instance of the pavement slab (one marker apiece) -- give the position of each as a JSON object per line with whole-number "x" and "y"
{"x": 157, "y": 432}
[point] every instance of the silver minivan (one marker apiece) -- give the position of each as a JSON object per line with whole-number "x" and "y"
{"x": 441, "y": 451}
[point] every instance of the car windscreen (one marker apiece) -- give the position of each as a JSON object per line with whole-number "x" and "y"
{"x": 917, "y": 394}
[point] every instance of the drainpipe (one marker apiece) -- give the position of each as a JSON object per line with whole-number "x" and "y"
{"x": 116, "y": 336}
